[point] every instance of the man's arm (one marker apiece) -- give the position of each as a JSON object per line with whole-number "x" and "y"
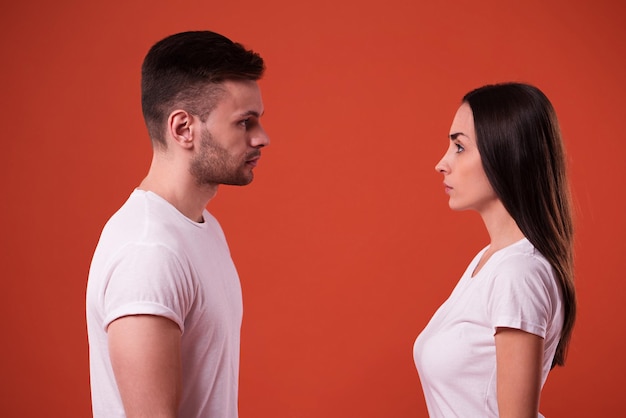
{"x": 145, "y": 355}
{"x": 519, "y": 357}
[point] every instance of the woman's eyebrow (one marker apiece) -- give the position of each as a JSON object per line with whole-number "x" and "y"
{"x": 456, "y": 135}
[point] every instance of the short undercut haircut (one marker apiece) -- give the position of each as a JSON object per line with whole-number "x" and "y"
{"x": 185, "y": 70}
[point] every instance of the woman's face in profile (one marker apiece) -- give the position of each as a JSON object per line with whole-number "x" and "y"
{"x": 464, "y": 178}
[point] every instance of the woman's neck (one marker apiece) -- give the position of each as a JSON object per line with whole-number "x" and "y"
{"x": 502, "y": 228}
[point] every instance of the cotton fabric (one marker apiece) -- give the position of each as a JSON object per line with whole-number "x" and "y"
{"x": 455, "y": 354}
{"x": 152, "y": 260}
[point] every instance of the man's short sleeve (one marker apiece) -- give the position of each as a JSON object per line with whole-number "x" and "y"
{"x": 148, "y": 279}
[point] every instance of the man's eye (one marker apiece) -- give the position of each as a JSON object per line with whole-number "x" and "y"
{"x": 244, "y": 122}
{"x": 459, "y": 148}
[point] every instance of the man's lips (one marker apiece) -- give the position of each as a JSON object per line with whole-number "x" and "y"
{"x": 253, "y": 159}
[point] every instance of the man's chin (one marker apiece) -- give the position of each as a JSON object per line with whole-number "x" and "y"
{"x": 239, "y": 182}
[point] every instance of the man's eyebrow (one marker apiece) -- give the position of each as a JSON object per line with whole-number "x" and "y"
{"x": 251, "y": 113}
{"x": 455, "y": 135}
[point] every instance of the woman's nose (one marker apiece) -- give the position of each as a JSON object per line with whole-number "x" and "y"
{"x": 441, "y": 166}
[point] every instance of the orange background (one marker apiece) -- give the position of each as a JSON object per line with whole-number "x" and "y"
{"x": 344, "y": 242}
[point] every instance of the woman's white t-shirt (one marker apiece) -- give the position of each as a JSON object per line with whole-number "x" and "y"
{"x": 455, "y": 354}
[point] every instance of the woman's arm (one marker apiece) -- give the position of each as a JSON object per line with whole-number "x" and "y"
{"x": 519, "y": 358}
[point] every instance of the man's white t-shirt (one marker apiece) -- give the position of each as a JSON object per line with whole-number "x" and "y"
{"x": 152, "y": 260}
{"x": 455, "y": 354}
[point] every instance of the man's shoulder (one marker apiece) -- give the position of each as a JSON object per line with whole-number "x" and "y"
{"x": 138, "y": 221}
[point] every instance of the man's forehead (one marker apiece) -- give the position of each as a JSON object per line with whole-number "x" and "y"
{"x": 238, "y": 99}
{"x": 243, "y": 96}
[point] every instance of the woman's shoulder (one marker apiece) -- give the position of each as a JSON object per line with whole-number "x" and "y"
{"x": 522, "y": 260}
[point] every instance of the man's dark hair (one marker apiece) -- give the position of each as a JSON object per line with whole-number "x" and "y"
{"x": 520, "y": 144}
{"x": 185, "y": 70}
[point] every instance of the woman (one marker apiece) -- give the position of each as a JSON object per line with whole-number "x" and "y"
{"x": 488, "y": 349}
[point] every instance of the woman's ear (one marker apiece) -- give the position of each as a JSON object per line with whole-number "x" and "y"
{"x": 180, "y": 128}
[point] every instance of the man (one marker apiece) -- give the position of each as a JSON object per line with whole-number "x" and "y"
{"x": 163, "y": 297}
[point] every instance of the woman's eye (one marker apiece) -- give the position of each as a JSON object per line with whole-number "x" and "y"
{"x": 459, "y": 148}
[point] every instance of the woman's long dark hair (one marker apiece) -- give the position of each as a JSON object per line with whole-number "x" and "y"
{"x": 522, "y": 152}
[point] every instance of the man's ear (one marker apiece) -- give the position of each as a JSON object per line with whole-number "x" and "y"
{"x": 180, "y": 126}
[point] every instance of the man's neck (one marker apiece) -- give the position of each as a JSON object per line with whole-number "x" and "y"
{"x": 178, "y": 187}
